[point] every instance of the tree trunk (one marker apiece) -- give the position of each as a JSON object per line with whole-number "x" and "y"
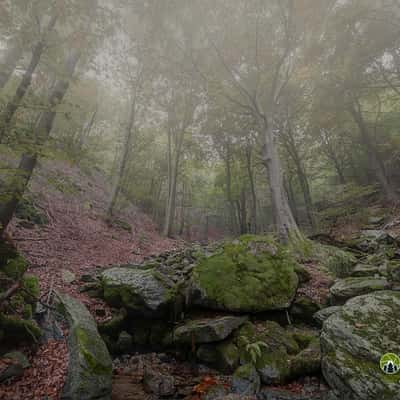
{"x": 28, "y": 160}
{"x": 229, "y": 196}
{"x": 170, "y": 215}
{"x": 303, "y": 180}
{"x": 376, "y": 161}
{"x": 253, "y": 213}
{"x": 285, "y": 223}
{"x": 85, "y": 133}
{"x": 287, "y": 183}
{"x": 129, "y": 135}
{"x": 25, "y": 83}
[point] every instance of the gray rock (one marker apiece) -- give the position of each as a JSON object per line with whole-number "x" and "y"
{"x": 207, "y": 330}
{"x": 364, "y": 270}
{"x": 68, "y": 277}
{"x": 246, "y": 380}
{"x": 277, "y": 394}
{"x": 354, "y": 340}
{"x": 16, "y": 368}
{"x": 159, "y": 384}
{"x": 18, "y": 357}
{"x": 145, "y": 292}
{"x": 380, "y": 236}
{"x": 321, "y": 316}
{"x": 345, "y": 289}
{"x": 376, "y": 220}
{"x": 90, "y": 366}
{"x": 216, "y": 392}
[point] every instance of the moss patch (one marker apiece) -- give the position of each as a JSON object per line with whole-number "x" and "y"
{"x": 252, "y": 274}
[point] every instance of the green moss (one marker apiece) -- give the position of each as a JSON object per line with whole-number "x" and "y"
{"x": 116, "y": 325}
{"x": 338, "y": 262}
{"x": 28, "y": 311}
{"x": 31, "y": 284}
{"x": 245, "y": 371}
{"x": 276, "y": 361}
{"x": 303, "y": 337}
{"x": 27, "y": 211}
{"x": 254, "y": 273}
{"x": 95, "y": 365}
{"x": 17, "y": 329}
{"x": 308, "y": 361}
{"x": 64, "y": 185}
{"x": 15, "y": 267}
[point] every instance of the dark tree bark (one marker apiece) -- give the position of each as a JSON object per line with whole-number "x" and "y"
{"x": 16, "y": 190}
{"x": 26, "y": 81}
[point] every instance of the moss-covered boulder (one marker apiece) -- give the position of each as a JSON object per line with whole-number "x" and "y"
{"x": 268, "y": 347}
{"x": 348, "y": 288}
{"x": 353, "y": 342}
{"x": 223, "y": 356}
{"x": 393, "y": 271}
{"x": 308, "y": 361}
{"x": 321, "y": 316}
{"x": 340, "y": 263}
{"x": 207, "y": 330}
{"x": 365, "y": 270}
{"x": 90, "y": 365}
{"x": 246, "y": 380}
{"x": 143, "y": 292}
{"x": 252, "y": 274}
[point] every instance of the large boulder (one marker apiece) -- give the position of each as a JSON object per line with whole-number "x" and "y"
{"x": 252, "y": 274}
{"x": 90, "y": 365}
{"x": 144, "y": 292}
{"x": 207, "y": 330}
{"x": 353, "y": 342}
{"x": 348, "y": 288}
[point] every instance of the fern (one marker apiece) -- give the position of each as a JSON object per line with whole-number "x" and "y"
{"x": 254, "y": 349}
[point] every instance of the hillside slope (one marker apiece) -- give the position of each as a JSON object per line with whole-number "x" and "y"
{"x": 77, "y": 235}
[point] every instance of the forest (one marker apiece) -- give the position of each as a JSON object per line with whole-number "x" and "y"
{"x": 199, "y": 199}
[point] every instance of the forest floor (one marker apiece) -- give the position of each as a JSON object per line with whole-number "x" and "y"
{"x": 79, "y": 239}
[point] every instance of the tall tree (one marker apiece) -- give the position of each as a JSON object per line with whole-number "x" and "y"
{"x": 12, "y": 106}
{"x": 14, "y": 191}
